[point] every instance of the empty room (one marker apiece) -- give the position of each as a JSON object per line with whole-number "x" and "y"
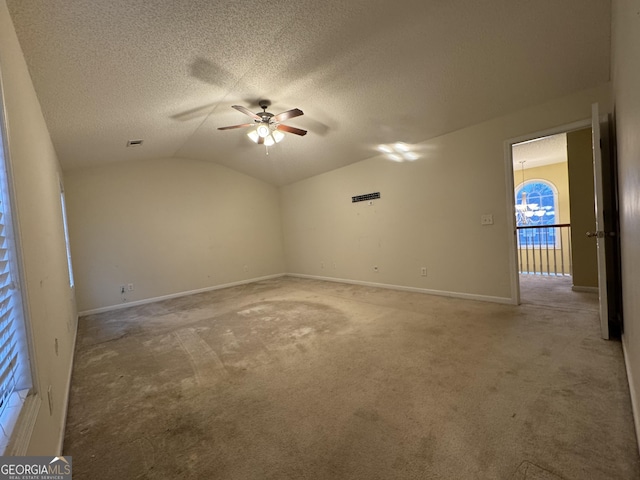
{"x": 323, "y": 240}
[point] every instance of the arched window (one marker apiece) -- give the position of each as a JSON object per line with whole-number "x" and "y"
{"x": 536, "y": 206}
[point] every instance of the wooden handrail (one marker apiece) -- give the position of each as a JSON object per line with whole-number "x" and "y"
{"x": 545, "y": 226}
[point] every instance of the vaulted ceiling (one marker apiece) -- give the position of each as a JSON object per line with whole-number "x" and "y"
{"x": 364, "y": 72}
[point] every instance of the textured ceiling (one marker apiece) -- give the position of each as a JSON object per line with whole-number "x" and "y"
{"x": 540, "y": 152}
{"x": 365, "y": 72}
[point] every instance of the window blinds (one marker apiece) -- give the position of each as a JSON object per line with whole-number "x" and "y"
{"x": 14, "y": 360}
{"x": 8, "y": 337}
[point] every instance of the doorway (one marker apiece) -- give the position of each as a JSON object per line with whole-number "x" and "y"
{"x": 552, "y": 200}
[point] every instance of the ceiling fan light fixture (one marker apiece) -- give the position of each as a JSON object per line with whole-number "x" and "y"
{"x": 253, "y": 135}
{"x": 270, "y": 139}
{"x": 263, "y": 130}
{"x": 277, "y": 136}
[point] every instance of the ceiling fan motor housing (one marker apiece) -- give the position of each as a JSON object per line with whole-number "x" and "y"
{"x": 266, "y": 117}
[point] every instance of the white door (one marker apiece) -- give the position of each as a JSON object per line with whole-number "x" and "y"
{"x": 599, "y": 234}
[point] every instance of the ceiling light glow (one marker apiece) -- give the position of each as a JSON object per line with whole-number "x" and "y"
{"x": 263, "y": 130}
{"x": 253, "y": 135}
{"x": 398, "y": 152}
{"x": 277, "y": 135}
{"x": 401, "y": 147}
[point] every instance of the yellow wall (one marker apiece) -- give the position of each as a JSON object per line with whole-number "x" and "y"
{"x": 585, "y": 264}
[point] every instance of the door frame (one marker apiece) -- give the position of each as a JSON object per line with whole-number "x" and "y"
{"x": 511, "y": 209}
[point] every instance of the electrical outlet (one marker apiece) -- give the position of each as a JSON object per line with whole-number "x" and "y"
{"x": 130, "y": 287}
{"x": 423, "y": 271}
{"x": 486, "y": 219}
{"x": 123, "y": 288}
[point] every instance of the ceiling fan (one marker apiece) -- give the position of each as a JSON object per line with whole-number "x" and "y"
{"x": 269, "y": 128}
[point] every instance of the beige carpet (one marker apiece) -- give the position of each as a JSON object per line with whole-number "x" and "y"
{"x": 552, "y": 291}
{"x": 302, "y": 379}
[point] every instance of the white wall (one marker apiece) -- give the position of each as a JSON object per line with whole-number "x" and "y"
{"x": 36, "y": 171}
{"x": 626, "y": 82}
{"x": 429, "y": 213}
{"x": 168, "y": 226}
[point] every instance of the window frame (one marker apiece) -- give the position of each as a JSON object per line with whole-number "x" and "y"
{"x": 24, "y": 420}
{"x": 67, "y": 241}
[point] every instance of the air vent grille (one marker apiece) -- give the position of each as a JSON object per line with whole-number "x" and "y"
{"x": 365, "y": 197}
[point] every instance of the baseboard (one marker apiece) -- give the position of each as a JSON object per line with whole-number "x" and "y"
{"x": 67, "y": 394}
{"x": 176, "y": 295}
{"x": 576, "y": 288}
{"x": 441, "y": 293}
{"x": 635, "y": 408}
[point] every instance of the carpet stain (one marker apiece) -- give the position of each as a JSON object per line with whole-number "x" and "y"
{"x": 426, "y": 449}
{"x": 369, "y": 415}
{"x": 303, "y": 382}
{"x": 207, "y": 367}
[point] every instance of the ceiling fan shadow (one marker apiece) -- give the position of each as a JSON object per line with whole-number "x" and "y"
{"x": 194, "y": 112}
{"x": 208, "y": 72}
{"x": 317, "y": 127}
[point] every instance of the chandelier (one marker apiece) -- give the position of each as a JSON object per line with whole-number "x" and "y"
{"x": 530, "y": 210}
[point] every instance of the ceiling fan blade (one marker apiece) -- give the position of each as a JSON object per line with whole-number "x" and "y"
{"x": 281, "y": 117}
{"x": 260, "y": 140}
{"x": 246, "y": 111}
{"x": 287, "y": 128}
{"x": 236, "y": 126}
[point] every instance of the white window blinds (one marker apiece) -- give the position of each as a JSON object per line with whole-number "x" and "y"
{"x": 14, "y": 359}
